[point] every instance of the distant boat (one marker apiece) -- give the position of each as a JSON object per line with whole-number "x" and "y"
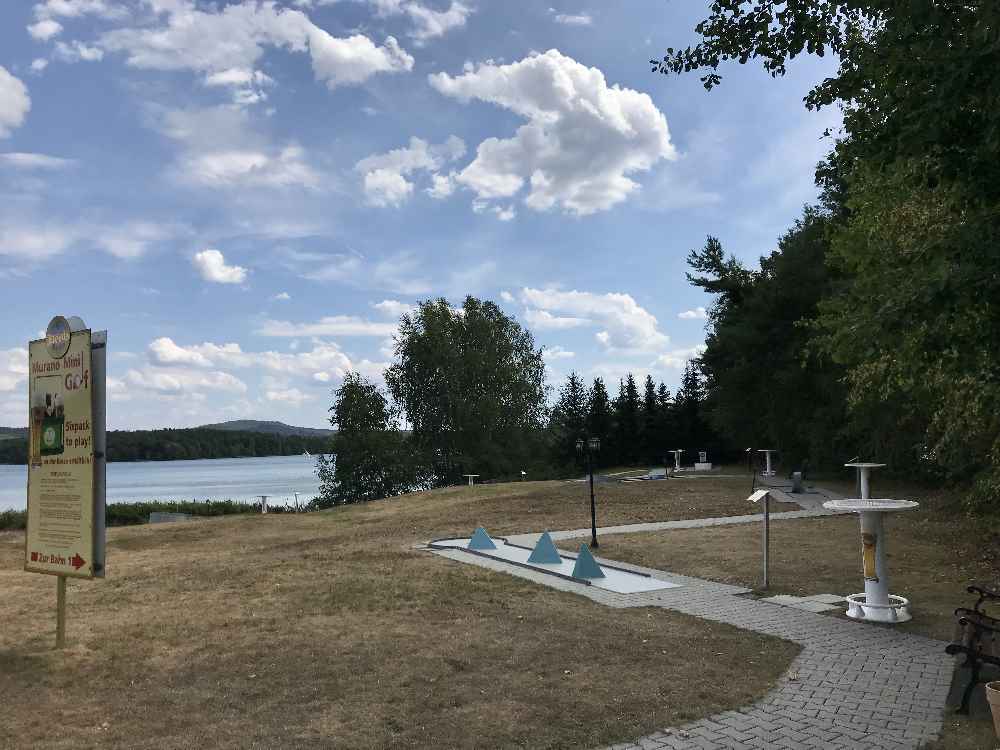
{"x": 307, "y": 454}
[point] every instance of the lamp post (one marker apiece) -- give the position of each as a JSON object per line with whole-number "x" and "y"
{"x": 589, "y": 447}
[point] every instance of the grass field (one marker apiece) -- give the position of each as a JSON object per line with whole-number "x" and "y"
{"x": 329, "y": 630}
{"x": 933, "y": 553}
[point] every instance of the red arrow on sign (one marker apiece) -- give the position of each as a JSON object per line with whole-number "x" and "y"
{"x": 77, "y": 561}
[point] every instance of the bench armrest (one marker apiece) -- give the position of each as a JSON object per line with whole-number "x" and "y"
{"x": 985, "y": 594}
{"x": 978, "y": 620}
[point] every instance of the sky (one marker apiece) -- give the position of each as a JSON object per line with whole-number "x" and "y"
{"x": 247, "y": 195}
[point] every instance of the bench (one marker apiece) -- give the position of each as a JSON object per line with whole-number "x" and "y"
{"x": 977, "y": 635}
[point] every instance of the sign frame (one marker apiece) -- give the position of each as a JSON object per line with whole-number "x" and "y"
{"x": 94, "y": 565}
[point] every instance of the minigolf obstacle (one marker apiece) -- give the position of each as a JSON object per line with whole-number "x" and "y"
{"x": 586, "y": 566}
{"x": 481, "y": 540}
{"x": 545, "y": 552}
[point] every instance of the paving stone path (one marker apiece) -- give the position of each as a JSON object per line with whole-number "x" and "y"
{"x": 853, "y": 685}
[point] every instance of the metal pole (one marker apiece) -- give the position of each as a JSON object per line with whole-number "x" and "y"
{"x": 767, "y": 538}
{"x": 60, "y": 612}
{"x": 593, "y": 505}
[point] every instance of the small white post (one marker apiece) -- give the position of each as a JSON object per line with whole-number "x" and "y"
{"x": 677, "y": 459}
{"x": 263, "y": 503}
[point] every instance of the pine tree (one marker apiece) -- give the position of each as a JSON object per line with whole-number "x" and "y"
{"x": 650, "y": 419}
{"x": 600, "y": 421}
{"x": 627, "y": 432}
{"x": 569, "y": 421}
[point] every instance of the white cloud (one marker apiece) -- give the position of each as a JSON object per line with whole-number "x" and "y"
{"x": 385, "y": 175}
{"x": 14, "y": 102}
{"x": 23, "y": 160}
{"x": 178, "y": 382}
{"x": 39, "y": 64}
{"x": 393, "y": 308}
{"x": 582, "y": 140}
{"x": 247, "y": 86}
{"x": 13, "y": 368}
{"x": 211, "y": 264}
{"x": 324, "y": 363}
{"x": 572, "y": 20}
{"x": 77, "y": 8}
{"x": 44, "y": 29}
{"x": 698, "y": 313}
{"x": 333, "y": 325}
{"x": 282, "y": 297}
{"x": 292, "y": 396}
{"x": 219, "y": 148}
{"x": 442, "y": 186}
{"x": 132, "y": 239}
{"x": 557, "y": 352}
{"x": 428, "y": 23}
{"x": 189, "y": 39}
{"x": 76, "y": 51}
{"x": 627, "y": 326}
{"x": 546, "y": 321}
{"x": 678, "y": 358}
{"x": 433, "y": 23}
{"x": 506, "y": 296}
{"x": 34, "y": 242}
{"x": 41, "y": 239}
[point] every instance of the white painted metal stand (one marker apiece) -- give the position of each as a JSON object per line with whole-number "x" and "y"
{"x": 876, "y": 604}
{"x": 768, "y": 472}
{"x": 677, "y": 459}
{"x": 471, "y": 477}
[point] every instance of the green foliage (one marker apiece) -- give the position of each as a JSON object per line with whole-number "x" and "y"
{"x": 167, "y": 445}
{"x": 568, "y": 423}
{"x": 600, "y": 421}
{"x": 472, "y": 385}
{"x": 131, "y": 514}
{"x": 911, "y": 193}
{"x": 627, "y": 441}
{"x": 372, "y": 458}
{"x": 764, "y": 386}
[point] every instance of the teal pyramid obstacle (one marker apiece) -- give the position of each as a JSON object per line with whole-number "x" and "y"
{"x": 586, "y": 566}
{"x": 481, "y": 540}
{"x": 545, "y": 552}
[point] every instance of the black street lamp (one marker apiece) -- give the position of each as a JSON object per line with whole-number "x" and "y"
{"x": 591, "y": 446}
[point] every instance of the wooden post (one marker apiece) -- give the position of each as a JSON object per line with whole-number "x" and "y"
{"x": 60, "y": 612}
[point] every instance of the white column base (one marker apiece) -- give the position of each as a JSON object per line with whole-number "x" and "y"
{"x": 897, "y": 610}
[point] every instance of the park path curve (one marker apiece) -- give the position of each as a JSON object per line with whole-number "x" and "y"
{"x": 853, "y": 685}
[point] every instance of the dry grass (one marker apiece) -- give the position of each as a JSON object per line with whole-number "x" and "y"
{"x": 933, "y": 554}
{"x": 329, "y": 630}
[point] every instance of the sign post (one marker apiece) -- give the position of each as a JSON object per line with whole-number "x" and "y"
{"x": 756, "y": 497}
{"x": 66, "y": 463}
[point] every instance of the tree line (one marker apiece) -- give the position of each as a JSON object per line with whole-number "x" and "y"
{"x": 874, "y": 327}
{"x": 191, "y": 443}
{"x": 470, "y": 383}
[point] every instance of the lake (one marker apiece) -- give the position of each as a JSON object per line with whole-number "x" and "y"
{"x": 212, "y": 479}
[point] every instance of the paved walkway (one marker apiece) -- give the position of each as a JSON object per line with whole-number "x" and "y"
{"x": 853, "y": 685}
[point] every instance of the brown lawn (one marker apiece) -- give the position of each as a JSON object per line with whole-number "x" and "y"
{"x": 329, "y": 630}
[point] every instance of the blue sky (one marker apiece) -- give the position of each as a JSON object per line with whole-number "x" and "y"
{"x": 247, "y": 194}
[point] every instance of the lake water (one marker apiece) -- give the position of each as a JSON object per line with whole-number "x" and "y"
{"x": 211, "y": 479}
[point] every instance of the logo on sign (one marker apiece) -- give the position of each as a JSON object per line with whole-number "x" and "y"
{"x": 57, "y": 337}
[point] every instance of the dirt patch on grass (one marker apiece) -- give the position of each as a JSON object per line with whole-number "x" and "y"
{"x": 329, "y": 630}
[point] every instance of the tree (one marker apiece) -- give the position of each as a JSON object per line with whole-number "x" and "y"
{"x": 665, "y": 428}
{"x": 652, "y": 449}
{"x": 472, "y": 384}
{"x": 372, "y": 458}
{"x": 569, "y": 422}
{"x": 914, "y": 317}
{"x": 627, "y": 434}
{"x": 599, "y": 420}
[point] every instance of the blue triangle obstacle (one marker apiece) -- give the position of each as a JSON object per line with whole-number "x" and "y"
{"x": 586, "y": 566}
{"x": 545, "y": 552}
{"x": 481, "y": 540}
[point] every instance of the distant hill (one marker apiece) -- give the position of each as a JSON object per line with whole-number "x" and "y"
{"x": 271, "y": 428}
{"x": 8, "y": 433}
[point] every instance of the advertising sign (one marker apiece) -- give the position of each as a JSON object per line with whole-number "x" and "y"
{"x": 65, "y": 534}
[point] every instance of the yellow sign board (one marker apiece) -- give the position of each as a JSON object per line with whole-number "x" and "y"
{"x": 65, "y": 514}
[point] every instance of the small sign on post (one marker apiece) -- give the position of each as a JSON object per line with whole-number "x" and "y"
{"x": 756, "y": 497}
{"x": 66, "y": 462}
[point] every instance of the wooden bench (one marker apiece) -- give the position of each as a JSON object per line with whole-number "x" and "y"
{"x": 977, "y": 635}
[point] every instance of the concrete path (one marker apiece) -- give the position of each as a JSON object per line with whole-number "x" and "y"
{"x": 854, "y": 685}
